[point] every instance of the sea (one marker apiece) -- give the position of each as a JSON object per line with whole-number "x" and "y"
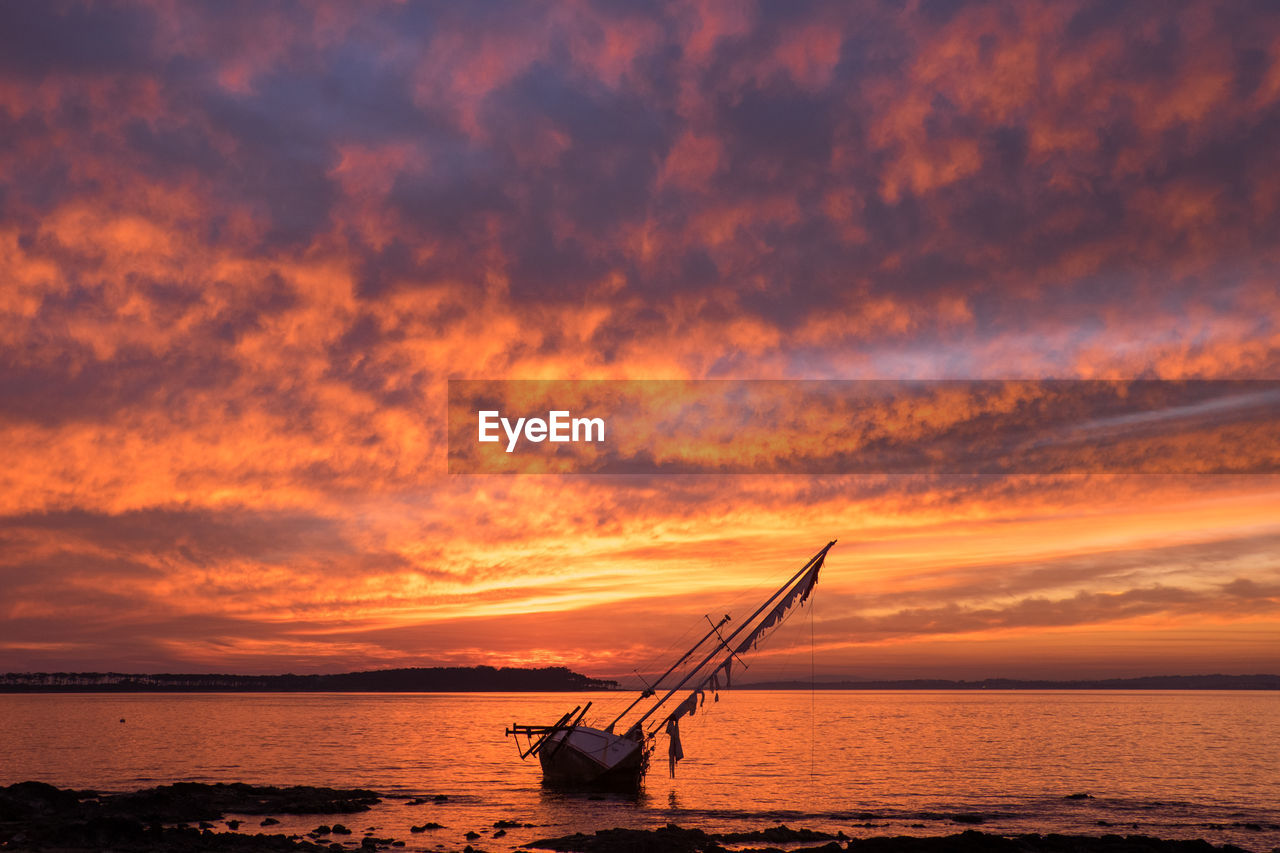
{"x": 1173, "y": 764}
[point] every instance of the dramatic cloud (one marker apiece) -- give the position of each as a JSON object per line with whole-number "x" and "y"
{"x": 243, "y": 248}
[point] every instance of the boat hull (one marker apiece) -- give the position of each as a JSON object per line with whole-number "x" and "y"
{"x": 585, "y": 757}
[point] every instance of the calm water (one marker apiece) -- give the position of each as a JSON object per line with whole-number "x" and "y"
{"x": 1173, "y": 764}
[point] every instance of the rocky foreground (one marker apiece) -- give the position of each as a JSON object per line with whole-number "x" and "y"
{"x": 674, "y": 839}
{"x": 180, "y": 817}
{"x": 36, "y": 816}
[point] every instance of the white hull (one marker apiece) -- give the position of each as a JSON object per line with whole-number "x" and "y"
{"x": 585, "y": 756}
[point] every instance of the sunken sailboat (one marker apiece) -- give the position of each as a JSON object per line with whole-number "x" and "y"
{"x": 616, "y": 756}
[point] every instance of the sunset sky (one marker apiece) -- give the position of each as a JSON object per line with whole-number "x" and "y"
{"x": 244, "y": 247}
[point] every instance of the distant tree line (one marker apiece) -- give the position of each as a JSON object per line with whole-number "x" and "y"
{"x": 461, "y": 679}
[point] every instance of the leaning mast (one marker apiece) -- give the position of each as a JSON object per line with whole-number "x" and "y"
{"x": 814, "y": 562}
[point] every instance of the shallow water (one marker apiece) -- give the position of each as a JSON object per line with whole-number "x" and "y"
{"x": 1176, "y": 764}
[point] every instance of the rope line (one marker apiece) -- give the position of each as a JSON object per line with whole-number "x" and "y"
{"x": 813, "y": 695}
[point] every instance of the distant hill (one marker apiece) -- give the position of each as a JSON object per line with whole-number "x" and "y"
{"x": 1148, "y": 682}
{"x": 430, "y": 680}
{"x": 487, "y": 679}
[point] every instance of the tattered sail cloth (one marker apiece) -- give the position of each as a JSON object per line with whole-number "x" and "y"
{"x": 712, "y": 682}
{"x": 675, "y": 751}
{"x": 800, "y": 592}
{"x": 691, "y": 703}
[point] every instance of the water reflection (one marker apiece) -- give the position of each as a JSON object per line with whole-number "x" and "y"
{"x": 1178, "y": 764}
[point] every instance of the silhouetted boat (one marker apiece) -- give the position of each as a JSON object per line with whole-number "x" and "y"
{"x": 582, "y": 756}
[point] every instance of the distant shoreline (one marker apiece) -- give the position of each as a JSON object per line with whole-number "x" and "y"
{"x": 485, "y": 679}
{"x": 477, "y": 679}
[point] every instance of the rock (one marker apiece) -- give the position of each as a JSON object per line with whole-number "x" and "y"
{"x": 431, "y": 824}
{"x": 471, "y": 835}
{"x": 34, "y": 816}
{"x": 27, "y": 799}
{"x": 780, "y": 834}
{"x": 968, "y": 817}
{"x": 194, "y": 801}
{"x": 439, "y": 798}
{"x": 233, "y": 824}
{"x": 669, "y": 839}
{"x": 1078, "y": 797}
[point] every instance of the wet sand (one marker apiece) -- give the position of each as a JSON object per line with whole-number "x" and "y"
{"x": 190, "y": 816}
